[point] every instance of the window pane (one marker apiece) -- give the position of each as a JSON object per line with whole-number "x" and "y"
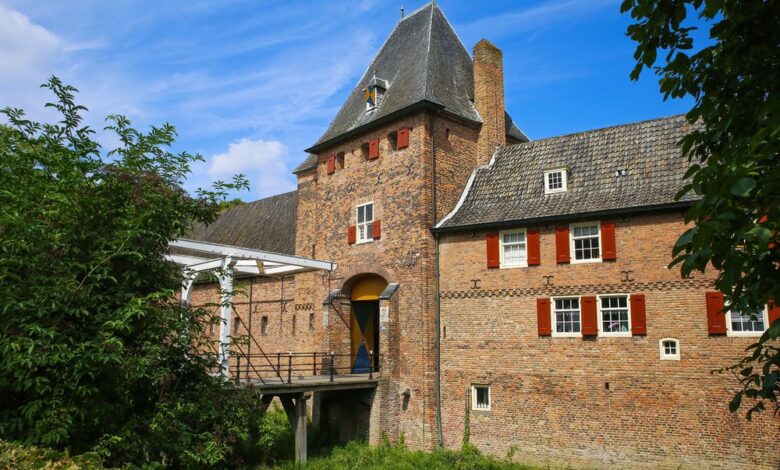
{"x": 361, "y": 214}
{"x": 369, "y": 231}
{"x": 744, "y": 323}
{"x": 369, "y": 212}
{"x": 614, "y": 314}
{"x": 567, "y": 315}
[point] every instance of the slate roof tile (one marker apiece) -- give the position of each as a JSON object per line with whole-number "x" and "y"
{"x": 511, "y": 188}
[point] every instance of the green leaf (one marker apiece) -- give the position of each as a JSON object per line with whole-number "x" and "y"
{"x": 743, "y": 187}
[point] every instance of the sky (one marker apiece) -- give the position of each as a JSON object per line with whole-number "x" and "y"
{"x": 250, "y": 84}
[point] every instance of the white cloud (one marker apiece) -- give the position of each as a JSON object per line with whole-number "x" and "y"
{"x": 24, "y": 46}
{"x": 262, "y": 161}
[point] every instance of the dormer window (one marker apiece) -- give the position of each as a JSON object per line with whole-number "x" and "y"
{"x": 555, "y": 181}
{"x": 374, "y": 92}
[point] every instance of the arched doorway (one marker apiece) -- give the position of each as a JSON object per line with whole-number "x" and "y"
{"x": 364, "y": 296}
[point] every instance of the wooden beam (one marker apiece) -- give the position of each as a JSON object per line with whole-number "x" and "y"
{"x": 289, "y": 410}
{"x": 300, "y": 431}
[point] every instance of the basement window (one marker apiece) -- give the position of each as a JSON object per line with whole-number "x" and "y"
{"x": 669, "y": 349}
{"x": 555, "y": 181}
{"x": 480, "y": 397}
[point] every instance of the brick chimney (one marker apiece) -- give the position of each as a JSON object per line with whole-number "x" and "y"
{"x": 489, "y": 99}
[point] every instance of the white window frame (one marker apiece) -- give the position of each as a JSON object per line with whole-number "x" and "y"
{"x": 573, "y": 253}
{"x": 369, "y": 236}
{"x": 614, "y": 334}
{"x": 662, "y": 350}
{"x": 564, "y": 181}
{"x": 474, "y": 406}
{"x": 554, "y": 329}
{"x": 522, "y": 263}
{"x": 755, "y": 334}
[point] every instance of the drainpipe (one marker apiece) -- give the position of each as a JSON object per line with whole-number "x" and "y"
{"x": 437, "y": 303}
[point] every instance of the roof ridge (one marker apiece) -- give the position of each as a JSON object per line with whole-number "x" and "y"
{"x": 598, "y": 129}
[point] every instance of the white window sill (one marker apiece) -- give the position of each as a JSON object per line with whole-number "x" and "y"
{"x": 513, "y": 266}
{"x": 744, "y": 334}
{"x": 670, "y": 358}
{"x": 566, "y": 335}
{"x": 585, "y": 261}
{"x": 363, "y": 242}
{"x": 554, "y": 191}
{"x": 621, "y": 334}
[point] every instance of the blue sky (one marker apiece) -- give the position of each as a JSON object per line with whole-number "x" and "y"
{"x": 250, "y": 84}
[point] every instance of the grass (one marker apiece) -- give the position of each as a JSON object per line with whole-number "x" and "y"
{"x": 356, "y": 455}
{"x": 17, "y": 456}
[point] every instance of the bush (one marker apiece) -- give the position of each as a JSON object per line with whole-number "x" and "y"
{"x": 16, "y": 456}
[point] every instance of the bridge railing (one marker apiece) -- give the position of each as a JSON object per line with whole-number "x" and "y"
{"x": 290, "y": 366}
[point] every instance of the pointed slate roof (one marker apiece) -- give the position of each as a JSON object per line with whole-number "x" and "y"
{"x": 424, "y": 62}
{"x": 510, "y": 190}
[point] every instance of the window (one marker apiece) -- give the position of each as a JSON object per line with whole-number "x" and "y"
{"x": 293, "y": 325}
{"x": 311, "y": 322}
{"x": 480, "y": 397}
{"x": 566, "y": 316}
{"x": 669, "y": 349}
{"x": 264, "y": 326}
{"x": 513, "y": 249}
{"x": 236, "y": 325}
{"x": 365, "y": 217}
{"x": 614, "y": 317}
{"x": 747, "y": 325}
{"x": 555, "y": 181}
{"x": 585, "y": 242}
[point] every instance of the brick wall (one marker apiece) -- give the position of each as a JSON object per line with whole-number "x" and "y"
{"x": 549, "y": 399}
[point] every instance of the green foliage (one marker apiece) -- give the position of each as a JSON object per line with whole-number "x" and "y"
{"x": 735, "y": 168}
{"x": 94, "y": 346}
{"x": 16, "y": 456}
{"x": 356, "y": 455}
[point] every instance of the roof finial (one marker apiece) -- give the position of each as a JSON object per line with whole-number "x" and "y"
{"x": 402, "y": 12}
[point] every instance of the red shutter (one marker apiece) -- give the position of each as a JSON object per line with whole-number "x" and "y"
{"x": 562, "y": 245}
{"x": 589, "y": 318}
{"x": 608, "y": 250}
{"x": 638, "y": 315}
{"x": 493, "y": 259}
{"x": 403, "y": 138}
{"x": 331, "y": 164}
{"x": 373, "y": 149}
{"x": 716, "y": 319}
{"x": 351, "y": 235}
{"x": 543, "y": 318}
{"x": 376, "y": 230}
{"x": 534, "y": 249}
{"x": 774, "y": 312}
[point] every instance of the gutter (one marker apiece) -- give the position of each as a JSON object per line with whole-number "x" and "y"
{"x": 565, "y": 217}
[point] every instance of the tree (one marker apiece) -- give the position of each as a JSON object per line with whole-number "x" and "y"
{"x": 734, "y": 79}
{"x": 96, "y": 353}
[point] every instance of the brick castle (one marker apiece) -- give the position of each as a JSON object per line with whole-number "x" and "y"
{"x": 516, "y": 291}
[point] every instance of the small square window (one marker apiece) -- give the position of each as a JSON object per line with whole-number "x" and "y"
{"x": 555, "y": 181}
{"x": 365, "y": 225}
{"x": 753, "y": 324}
{"x": 513, "y": 249}
{"x": 586, "y": 242}
{"x": 566, "y": 316}
{"x": 669, "y": 349}
{"x": 480, "y": 397}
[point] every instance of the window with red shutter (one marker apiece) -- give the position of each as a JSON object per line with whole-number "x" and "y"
{"x": 638, "y": 315}
{"x": 351, "y": 234}
{"x": 493, "y": 259}
{"x": 589, "y": 317}
{"x": 403, "y": 138}
{"x": 373, "y": 149}
{"x": 608, "y": 247}
{"x": 331, "y": 164}
{"x": 774, "y": 312}
{"x": 534, "y": 247}
{"x": 376, "y": 230}
{"x": 716, "y": 319}
{"x": 543, "y": 317}
{"x": 562, "y": 245}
